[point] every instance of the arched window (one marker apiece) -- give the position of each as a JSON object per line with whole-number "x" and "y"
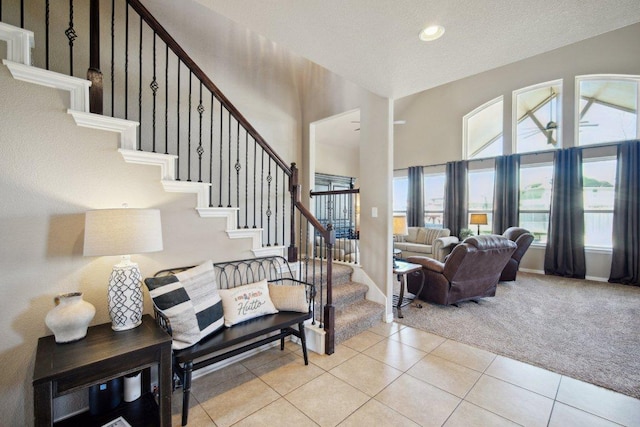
{"x": 607, "y": 108}
{"x": 482, "y": 130}
{"x": 537, "y": 114}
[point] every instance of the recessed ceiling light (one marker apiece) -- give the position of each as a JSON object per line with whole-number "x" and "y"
{"x": 431, "y": 33}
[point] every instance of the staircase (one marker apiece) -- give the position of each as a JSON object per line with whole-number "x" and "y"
{"x": 354, "y": 313}
{"x": 266, "y": 222}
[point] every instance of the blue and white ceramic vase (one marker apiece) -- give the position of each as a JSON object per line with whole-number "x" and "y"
{"x": 70, "y": 318}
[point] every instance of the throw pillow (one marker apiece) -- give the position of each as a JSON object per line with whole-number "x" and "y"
{"x": 191, "y": 302}
{"x": 289, "y": 297}
{"x": 422, "y": 236}
{"x": 412, "y": 237}
{"x": 246, "y": 302}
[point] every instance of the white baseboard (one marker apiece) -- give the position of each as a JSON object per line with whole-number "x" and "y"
{"x": 594, "y": 278}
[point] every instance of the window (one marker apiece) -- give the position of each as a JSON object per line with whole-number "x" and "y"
{"x": 538, "y": 117}
{"x": 482, "y": 130}
{"x": 607, "y": 108}
{"x": 535, "y": 199}
{"x": 434, "y": 198}
{"x": 480, "y": 196}
{"x": 400, "y": 193}
{"x": 598, "y": 183}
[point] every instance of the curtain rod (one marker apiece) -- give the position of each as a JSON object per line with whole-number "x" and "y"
{"x": 535, "y": 153}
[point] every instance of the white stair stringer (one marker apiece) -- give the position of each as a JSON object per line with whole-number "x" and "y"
{"x": 233, "y": 232}
{"x": 19, "y": 43}
{"x": 201, "y": 190}
{"x": 78, "y": 88}
{"x": 126, "y": 128}
{"x": 167, "y": 162}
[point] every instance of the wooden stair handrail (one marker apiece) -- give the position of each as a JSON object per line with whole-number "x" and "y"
{"x": 206, "y": 81}
{"x": 334, "y": 192}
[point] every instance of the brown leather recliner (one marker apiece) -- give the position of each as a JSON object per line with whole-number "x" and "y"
{"x": 470, "y": 272}
{"x": 523, "y": 239}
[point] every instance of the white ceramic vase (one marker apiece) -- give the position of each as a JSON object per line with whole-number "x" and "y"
{"x": 71, "y": 316}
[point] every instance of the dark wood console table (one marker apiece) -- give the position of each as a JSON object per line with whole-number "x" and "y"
{"x": 102, "y": 355}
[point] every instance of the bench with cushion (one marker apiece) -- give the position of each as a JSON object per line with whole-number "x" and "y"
{"x": 217, "y": 311}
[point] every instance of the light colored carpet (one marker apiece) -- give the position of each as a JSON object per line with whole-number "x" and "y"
{"x": 583, "y": 329}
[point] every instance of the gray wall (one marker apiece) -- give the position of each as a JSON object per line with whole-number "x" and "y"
{"x": 433, "y": 133}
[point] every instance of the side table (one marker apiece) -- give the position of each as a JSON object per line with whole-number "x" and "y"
{"x": 401, "y": 270}
{"x": 102, "y": 355}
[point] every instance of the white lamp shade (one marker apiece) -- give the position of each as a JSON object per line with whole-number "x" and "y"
{"x": 400, "y": 225}
{"x": 122, "y": 232}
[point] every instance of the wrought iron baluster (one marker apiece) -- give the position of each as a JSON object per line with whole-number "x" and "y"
{"x": 275, "y": 202}
{"x": 140, "y": 89}
{"x": 200, "y": 150}
{"x": 21, "y": 13}
{"x": 47, "y": 20}
{"x": 246, "y": 180}
{"x": 189, "y": 133}
{"x": 71, "y": 34}
{"x": 229, "y": 164}
{"x": 268, "y": 213}
{"x": 113, "y": 36}
{"x": 178, "y": 123}
{"x": 211, "y": 155}
{"x": 126, "y": 61}
{"x": 166, "y": 99}
{"x": 154, "y": 88}
{"x": 220, "y": 161}
{"x": 262, "y": 193}
{"x": 237, "y": 168}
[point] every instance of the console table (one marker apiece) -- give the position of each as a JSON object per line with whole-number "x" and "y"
{"x": 102, "y": 355}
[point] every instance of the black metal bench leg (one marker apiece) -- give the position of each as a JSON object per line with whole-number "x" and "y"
{"x": 303, "y": 341}
{"x": 282, "y": 340}
{"x": 186, "y": 390}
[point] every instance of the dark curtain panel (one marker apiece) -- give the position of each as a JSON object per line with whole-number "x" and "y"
{"x": 455, "y": 204}
{"x": 415, "y": 203}
{"x": 625, "y": 259}
{"x": 506, "y": 193}
{"x": 565, "y": 244}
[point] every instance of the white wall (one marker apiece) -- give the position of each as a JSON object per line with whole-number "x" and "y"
{"x": 433, "y": 132}
{"x": 334, "y": 160}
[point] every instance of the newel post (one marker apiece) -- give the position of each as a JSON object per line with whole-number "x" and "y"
{"x": 93, "y": 73}
{"x": 294, "y": 190}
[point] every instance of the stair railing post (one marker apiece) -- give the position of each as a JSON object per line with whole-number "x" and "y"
{"x": 93, "y": 73}
{"x": 329, "y": 309}
{"x": 294, "y": 191}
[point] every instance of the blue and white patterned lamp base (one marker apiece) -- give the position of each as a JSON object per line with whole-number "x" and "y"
{"x": 125, "y": 296}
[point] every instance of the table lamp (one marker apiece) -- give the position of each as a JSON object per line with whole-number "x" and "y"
{"x": 478, "y": 219}
{"x": 399, "y": 229}
{"x": 123, "y": 232}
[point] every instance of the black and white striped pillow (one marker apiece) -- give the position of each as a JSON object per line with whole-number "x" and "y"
{"x": 191, "y": 301}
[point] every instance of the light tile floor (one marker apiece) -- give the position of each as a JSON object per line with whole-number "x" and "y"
{"x": 392, "y": 375}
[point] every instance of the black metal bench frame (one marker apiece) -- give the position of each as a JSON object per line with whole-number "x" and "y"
{"x": 273, "y": 327}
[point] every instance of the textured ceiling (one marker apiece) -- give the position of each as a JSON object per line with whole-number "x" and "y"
{"x": 374, "y": 43}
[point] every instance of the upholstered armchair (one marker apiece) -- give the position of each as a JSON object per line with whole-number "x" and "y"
{"x": 523, "y": 239}
{"x": 470, "y": 272}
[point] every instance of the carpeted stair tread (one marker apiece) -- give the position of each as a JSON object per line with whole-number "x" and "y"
{"x": 346, "y": 294}
{"x": 341, "y": 273}
{"x": 357, "y": 318}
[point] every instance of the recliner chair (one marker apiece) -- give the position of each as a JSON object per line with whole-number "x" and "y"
{"x": 523, "y": 239}
{"x": 470, "y": 272}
